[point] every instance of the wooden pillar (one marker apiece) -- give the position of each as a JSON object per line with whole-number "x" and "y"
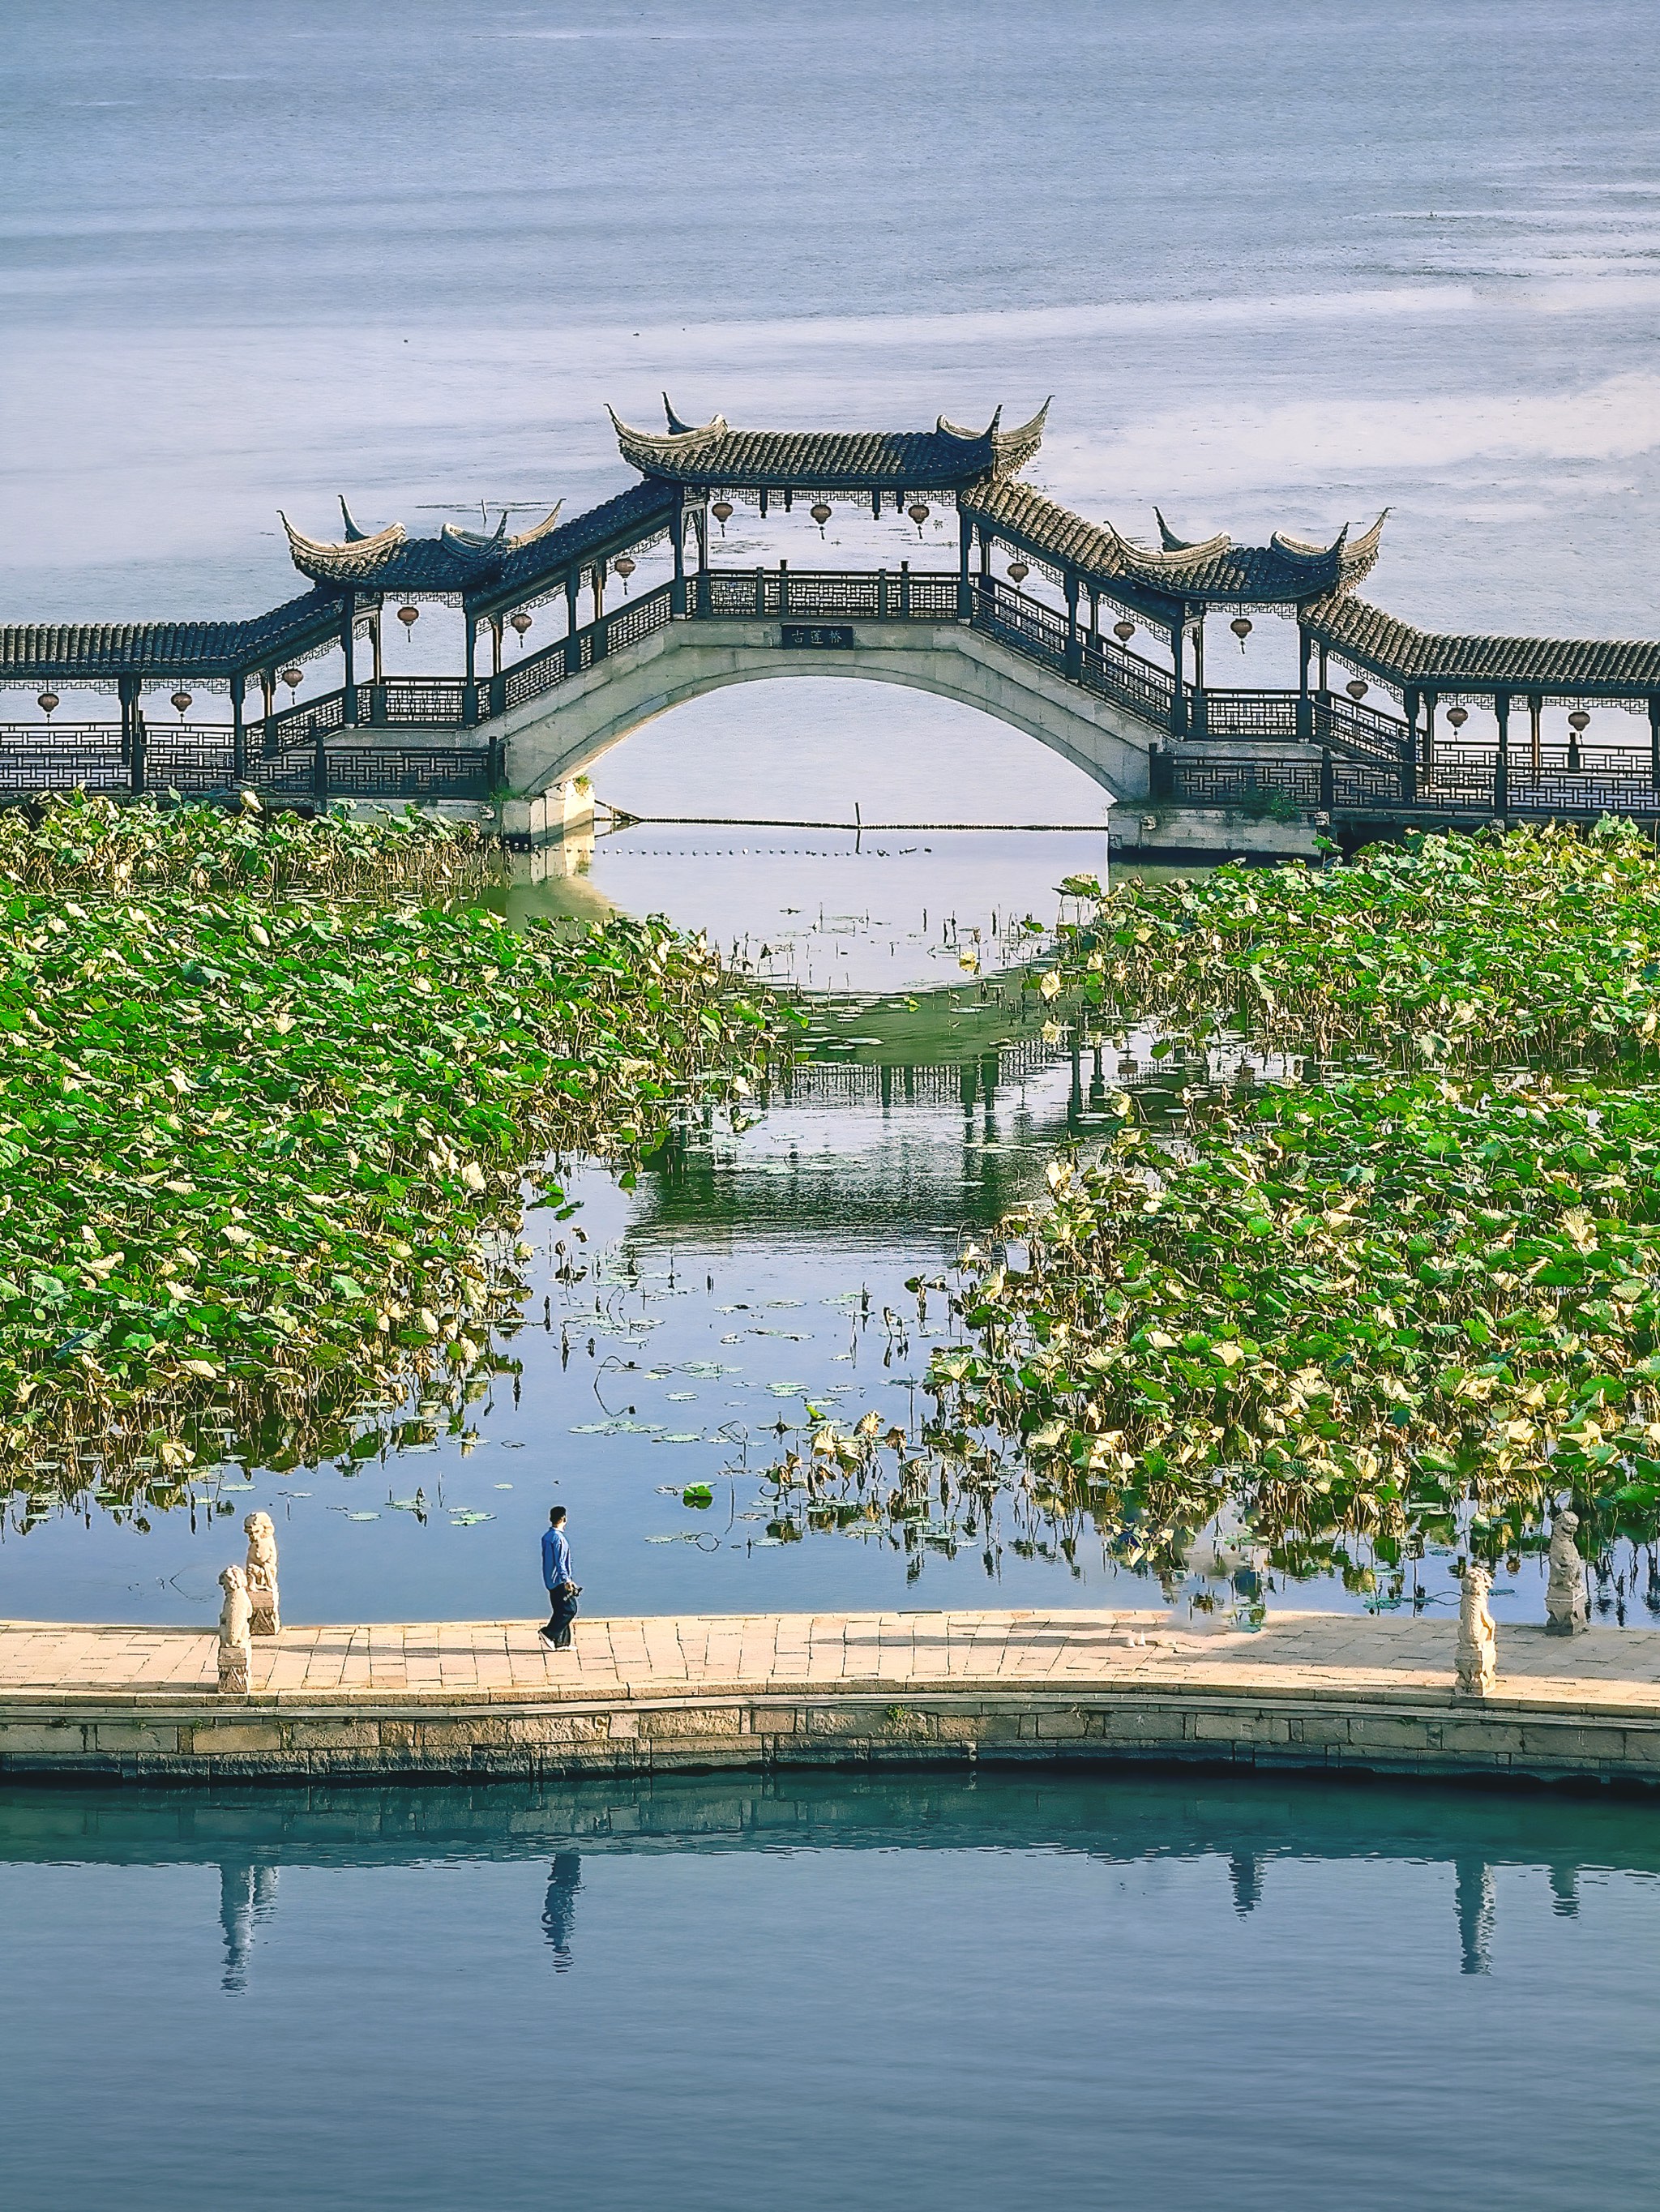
{"x": 470, "y": 687}
{"x": 1429, "y": 742}
{"x": 348, "y": 639}
{"x": 1654, "y": 740}
{"x": 1501, "y": 757}
{"x": 964, "y": 547}
{"x": 495, "y": 645}
{"x": 140, "y": 746}
{"x": 677, "y": 537}
{"x": 572, "y": 650}
{"x": 1536, "y": 708}
{"x": 239, "y": 735}
{"x": 1410, "y": 703}
{"x": 1074, "y": 643}
{"x": 598, "y": 576}
{"x": 1199, "y": 717}
{"x": 126, "y": 689}
{"x": 1304, "y": 704}
{"x": 1179, "y": 712}
{"x": 379, "y": 675}
{"x": 1324, "y": 685}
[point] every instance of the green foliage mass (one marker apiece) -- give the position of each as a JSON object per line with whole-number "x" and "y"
{"x": 82, "y": 845}
{"x": 248, "y": 1144}
{"x": 1343, "y": 1310}
{"x": 1542, "y": 944}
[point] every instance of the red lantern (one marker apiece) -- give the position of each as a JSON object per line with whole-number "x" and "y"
{"x": 623, "y": 565}
{"x": 1123, "y": 631}
{"x": 821, "y": 514}
{"x": 1018, "y": 572}
{"x": 291, "y": 677}
{"x": 918, "y": 513}
{"x": 1241, "y": 628}
{"x": 521, "y": 622}
{"x": 409, "y": 617}
{"x": 46, "y": 701}
{"x": 722, "y": 513}
{"x": 1356, "y": 690}
{"x": 181, "y": 700}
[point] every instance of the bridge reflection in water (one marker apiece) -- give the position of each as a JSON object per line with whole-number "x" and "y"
{"x": 1021, "y": 627}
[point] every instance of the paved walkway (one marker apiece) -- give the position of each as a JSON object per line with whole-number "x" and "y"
{"x": 755, "y": 1653}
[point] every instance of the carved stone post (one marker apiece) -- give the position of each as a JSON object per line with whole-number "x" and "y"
{"x": 236, "y": 1651}
{"x": 1478, "y": 1641}
{"x": 262, "y": 1575}
{"x": 1566, "y": 1610}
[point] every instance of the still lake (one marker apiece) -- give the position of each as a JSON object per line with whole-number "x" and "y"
{"x": 818, "y": 1993}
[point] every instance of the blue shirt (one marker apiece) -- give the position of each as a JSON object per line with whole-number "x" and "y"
{"x": 555, "y": 1558}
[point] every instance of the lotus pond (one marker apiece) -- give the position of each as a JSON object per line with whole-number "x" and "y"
{"x": 1066, "y": 1244}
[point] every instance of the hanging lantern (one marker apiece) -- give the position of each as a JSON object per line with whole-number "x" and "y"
{"x": 46, "y": 701}
{"x": 821, "y": 514}
{"x": 918, "y": 513}
{"x": 623, "y": 565}
{"x": 1018, "y": 572}
{"x": 1579, "y": 719}
{"x": 521, "y": 622}
{"x": 1356, "y": 688}
{"x": 181, "y": 700}
{"x": 1458, "y": 716}
{"x": 409, "y": 617}
{"x": 1123, "y": 631}
{"x": 1241, "y": 628}
{"x": 290, "y": 677}
{"x": 722, "y": 513}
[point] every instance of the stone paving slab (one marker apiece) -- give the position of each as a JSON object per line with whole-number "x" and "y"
{"x": 1383, "y": 1658}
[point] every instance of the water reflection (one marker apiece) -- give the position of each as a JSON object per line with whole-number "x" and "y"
{"x": 1246, "y": 1829}
{"x": 559, "y": 1907}
{"x": 247, "y": 1900}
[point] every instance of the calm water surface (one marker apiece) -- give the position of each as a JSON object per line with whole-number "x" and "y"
{"x": 926, "y": 1992}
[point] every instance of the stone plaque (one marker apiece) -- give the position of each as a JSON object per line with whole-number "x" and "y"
{"x": 836, "y": 634}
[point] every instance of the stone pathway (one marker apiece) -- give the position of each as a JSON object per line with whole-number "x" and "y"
{"x": 1606, "y": 1669}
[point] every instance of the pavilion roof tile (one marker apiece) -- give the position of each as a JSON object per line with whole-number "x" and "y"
{"x": 1441, "y": 660}
{"x": 715, "y": 457}
{"x": 60, "y": 651}
{"x": 1284, "y": 572}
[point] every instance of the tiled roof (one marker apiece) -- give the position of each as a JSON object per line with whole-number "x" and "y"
{"x": 36, "y": 652}
{"x": 468, "y": 563}
{"x": 716, "y": 457}
{"x": 1284, "y": 572}
{"x": 1435, "y": 661}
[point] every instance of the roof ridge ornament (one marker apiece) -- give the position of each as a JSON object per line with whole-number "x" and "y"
{"x": 678, "y": 428}
{"x": 342, "y": 562}
{"x": 1172, "y": 544}
{"x": 354, "y": 535}
{"x": 477, "y": 545}
{"x": 677, "y": 440}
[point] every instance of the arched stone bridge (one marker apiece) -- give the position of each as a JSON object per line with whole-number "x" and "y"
{"x": 1125, "y": 700}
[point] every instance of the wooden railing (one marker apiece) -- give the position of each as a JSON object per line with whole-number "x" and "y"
{"x": 1332, "y": 750}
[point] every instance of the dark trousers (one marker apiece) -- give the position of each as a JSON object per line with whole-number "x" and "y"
{"x": 563, "y": 1613}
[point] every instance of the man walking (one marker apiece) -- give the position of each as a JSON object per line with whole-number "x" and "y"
{"x": 563, "y": 1592}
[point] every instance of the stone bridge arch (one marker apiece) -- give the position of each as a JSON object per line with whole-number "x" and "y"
{"x": 562, "y": 734}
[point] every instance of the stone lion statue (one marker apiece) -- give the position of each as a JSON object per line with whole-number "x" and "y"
{"x": 235, "y": 1615}
{"x": 262, "y": 1574}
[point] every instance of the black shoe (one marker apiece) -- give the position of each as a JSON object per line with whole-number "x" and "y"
{"x": 547, "y": 1635}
